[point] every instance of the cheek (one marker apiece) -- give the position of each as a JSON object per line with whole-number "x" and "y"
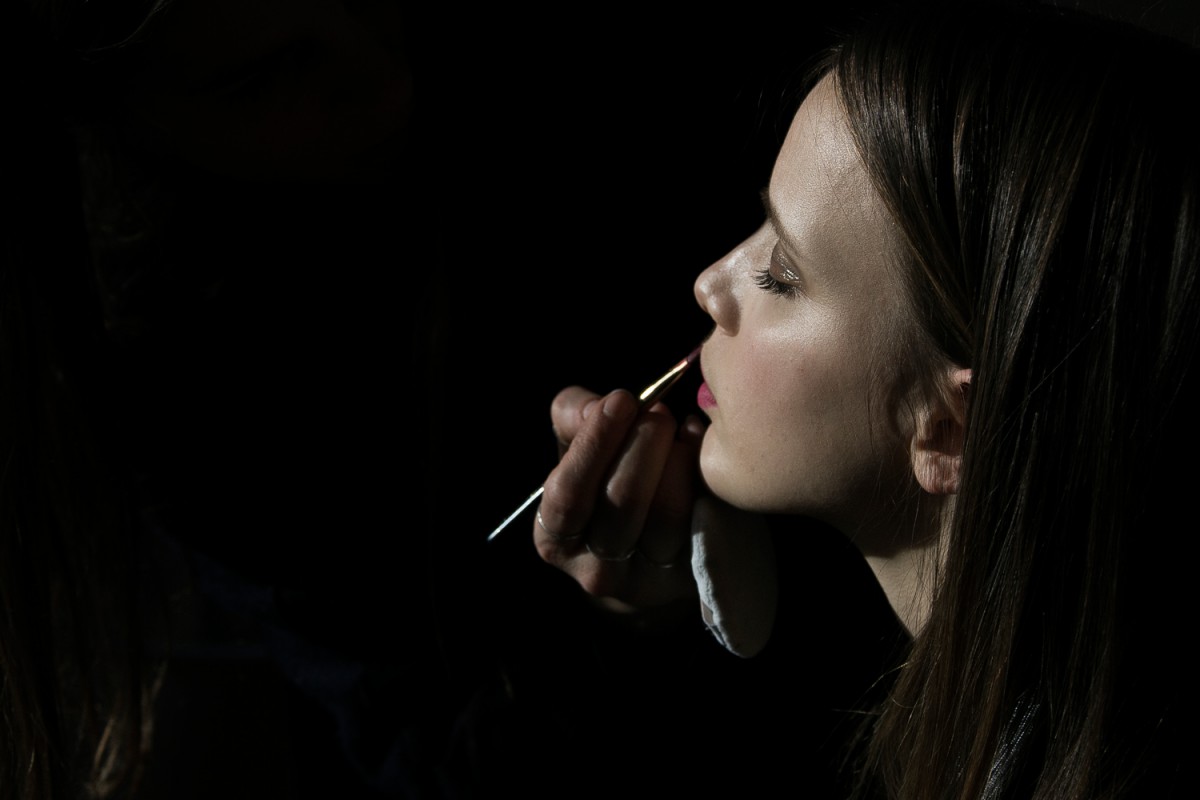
{"x": 800, "y": 426}
{"x": 785, "y": 408}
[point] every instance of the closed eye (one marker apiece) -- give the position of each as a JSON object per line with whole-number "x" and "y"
{"x": 767, "y": 282}
{"x": 779, "y": 265}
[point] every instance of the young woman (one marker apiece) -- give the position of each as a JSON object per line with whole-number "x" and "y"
{"x": 964, "y": 338}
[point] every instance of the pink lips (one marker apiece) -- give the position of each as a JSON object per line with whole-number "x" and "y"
{"x": 704, "y": 397}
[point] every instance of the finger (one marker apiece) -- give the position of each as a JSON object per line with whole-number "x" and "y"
{"x": 571, "y": 490}
{"x": 666, "y": 540}
{"x": 568, "y": 412}
{"x": 635, "y": 582}
{"x": 620, "y": 513}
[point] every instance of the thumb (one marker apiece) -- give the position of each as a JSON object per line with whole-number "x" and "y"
{"x": 733, "y": 561}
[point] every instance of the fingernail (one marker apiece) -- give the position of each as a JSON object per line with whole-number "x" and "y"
{"x": 587, "y": 408}
{"x": 615, "y": 407}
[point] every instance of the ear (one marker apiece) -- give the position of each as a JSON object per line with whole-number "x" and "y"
{"x": 937, "y": 442}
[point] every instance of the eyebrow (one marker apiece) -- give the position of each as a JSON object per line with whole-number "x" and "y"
{"x": 774, "y": 218}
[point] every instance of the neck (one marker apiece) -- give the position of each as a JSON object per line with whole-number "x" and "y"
{"x": 907, "y": 581}
{"x": 904, "y": 559}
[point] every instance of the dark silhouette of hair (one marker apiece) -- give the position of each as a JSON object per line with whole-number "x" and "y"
{"x": 105, "y": 294}
{"x": 72, "y": 682}
{"x": 1045, "y": 177}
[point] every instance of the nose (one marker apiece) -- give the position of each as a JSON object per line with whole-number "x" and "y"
{"x": 714, "y": 291}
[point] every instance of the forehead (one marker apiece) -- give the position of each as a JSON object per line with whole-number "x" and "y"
{"x": 818, "y": 167}
{"x": 825, "y": 200}
{"x": 820, "y": 125}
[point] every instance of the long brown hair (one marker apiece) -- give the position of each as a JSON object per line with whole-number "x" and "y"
{"x": 1046, "y": 183}
{"x": 74, "y": 684}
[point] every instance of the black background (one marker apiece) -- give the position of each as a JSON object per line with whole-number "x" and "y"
{"x": 332, "y": 435}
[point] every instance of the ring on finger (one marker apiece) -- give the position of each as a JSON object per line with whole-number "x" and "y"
{"x": 556, "y": 536}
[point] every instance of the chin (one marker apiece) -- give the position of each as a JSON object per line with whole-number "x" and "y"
{"x": 727, "y": 481}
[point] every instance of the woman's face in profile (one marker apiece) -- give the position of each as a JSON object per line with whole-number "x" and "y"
{"x": 810, "y": 313}
{"x": 279, "y": 89}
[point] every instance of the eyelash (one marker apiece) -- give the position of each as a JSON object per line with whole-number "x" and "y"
{"x": 769, "y": 283}
{"x": 766, "y": 281}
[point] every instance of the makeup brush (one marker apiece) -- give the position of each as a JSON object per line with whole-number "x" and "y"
{"x": 651, "y": 393}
